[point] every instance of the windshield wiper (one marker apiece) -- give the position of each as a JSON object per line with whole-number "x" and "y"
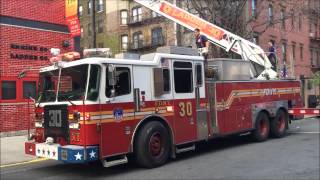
{"x": 68, "y": 99}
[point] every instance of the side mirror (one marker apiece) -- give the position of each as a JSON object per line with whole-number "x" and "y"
{"x": 111, "y": 75}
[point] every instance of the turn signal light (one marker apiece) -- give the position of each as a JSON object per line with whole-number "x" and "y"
{"x": 169, "y": 108}
{"x": 76, "y": 116}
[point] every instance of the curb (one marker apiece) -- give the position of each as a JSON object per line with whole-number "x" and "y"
{"x": 15, "y": 133}
{"x": 23, "y": 162}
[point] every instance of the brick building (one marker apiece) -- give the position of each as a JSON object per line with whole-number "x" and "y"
{"x": 28, "y": 30}
{"x": 124, "y": 26}
{"x": 293, "y": 26}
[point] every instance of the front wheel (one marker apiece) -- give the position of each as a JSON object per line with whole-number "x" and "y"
{"x": 278, "y": 124}
{"x": 152, "y": 147}
{"x": 262, "y": 128}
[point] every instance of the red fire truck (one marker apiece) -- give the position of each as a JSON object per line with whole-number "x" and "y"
{"x": 157, "y": 105}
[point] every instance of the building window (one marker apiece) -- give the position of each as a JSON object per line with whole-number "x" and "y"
{"x": 254, "y": 8}
{"x": 284, "y": 51}
{"x": 124, "y": 17}
{"x": 301, "y": 52}
{"x": 282, "y": 18}
{"x": 311, "y": 57}
{"x": 100, "y": 26}
{"x": 183, "y": 77}
{"x": 124, "y": 42}
{"x": 80, "y": 10}
{"x": 292, "y": 19}
{"x": 100, "y": 6}
{"x": 270, "y": 14}
{"x": 8, "y": 89}
{"x": 293, "y": 51}
{"x": 137, "y": 39}
{"x": 29, "y": 89}
{"x": 89, "y": 29}
{"x": 89, "y": 7}
{"x": 300, "y": 22}
{"x": 136, "y": 14}
{"x": 157, "y": 37}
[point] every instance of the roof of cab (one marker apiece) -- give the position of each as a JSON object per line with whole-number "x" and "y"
{"x": 152, "y": 59}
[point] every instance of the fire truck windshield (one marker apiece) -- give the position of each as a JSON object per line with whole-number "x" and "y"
{"x": 71, "y": 84}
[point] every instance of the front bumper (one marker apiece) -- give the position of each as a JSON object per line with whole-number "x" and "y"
{"x": 67, "y": 153}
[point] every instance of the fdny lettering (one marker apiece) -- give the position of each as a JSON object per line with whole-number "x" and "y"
{"x": 269, "y": 92}
{"x": 162, "y": 103}
{"x": 192, "y": 20}
{"x": 55, "y": 118}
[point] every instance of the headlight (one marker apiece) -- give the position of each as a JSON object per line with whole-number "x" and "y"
{"x": 74, "y": 125}
{"x": 38, "y": 124}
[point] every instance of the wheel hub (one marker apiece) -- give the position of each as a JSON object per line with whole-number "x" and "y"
{"x": 281, "y": 123}
{"x": 155, "y": 145}
{"x": 263, "y": 127}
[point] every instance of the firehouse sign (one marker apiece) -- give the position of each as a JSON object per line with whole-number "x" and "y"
{"x": 26, "y": 52}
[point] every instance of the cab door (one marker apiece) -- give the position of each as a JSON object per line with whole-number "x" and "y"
{"x": 185, "y": 126}
{"x": 118, "y": 112}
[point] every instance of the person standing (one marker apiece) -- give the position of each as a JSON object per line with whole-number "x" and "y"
{"x": 272, "y": 55}
{"x": 202, "y": 43}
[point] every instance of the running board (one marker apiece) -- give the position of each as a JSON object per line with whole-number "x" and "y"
{"x": 115, "y": 162}
{"x": 185, "y": 149}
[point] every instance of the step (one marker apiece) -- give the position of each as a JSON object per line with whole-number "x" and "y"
{"x": 122, "y": 160}
{"x": 185, "y": 149}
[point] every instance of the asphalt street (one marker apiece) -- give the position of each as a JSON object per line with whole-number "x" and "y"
{"x": 296, "y": 156}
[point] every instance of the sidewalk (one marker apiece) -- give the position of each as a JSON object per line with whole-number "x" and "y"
{"x": 12, "y": 150}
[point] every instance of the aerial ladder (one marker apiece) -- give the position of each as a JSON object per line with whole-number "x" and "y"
{"x": 261, "y": 67}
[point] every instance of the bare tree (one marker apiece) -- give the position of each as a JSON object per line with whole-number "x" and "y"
{"x": 236, "y": 17}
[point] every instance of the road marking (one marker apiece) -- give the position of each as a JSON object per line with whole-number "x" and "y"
{"x": 26, "y": 162}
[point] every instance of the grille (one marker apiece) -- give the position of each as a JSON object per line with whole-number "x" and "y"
{"x": 56, "y": 122}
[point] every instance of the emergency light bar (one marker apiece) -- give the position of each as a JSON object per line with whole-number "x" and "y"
{"x": 97, "y": 52}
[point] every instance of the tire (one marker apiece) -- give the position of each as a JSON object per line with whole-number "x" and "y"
{"x": 262, "y": 128}
{"x": 152, "y": 145}
{"x": 279, "y": 124}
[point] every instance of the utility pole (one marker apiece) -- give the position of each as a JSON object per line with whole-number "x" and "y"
{"x": 93, "y": 11}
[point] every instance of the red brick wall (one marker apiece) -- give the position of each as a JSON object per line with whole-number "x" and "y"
{"x": 14, "y": 113}
{"x": 14, "y": 116}
{"x": 24, "y": 36}
{"x": 51, "y": 11}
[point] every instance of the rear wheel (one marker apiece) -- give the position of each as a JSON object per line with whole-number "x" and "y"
{"x": 152, "y": 146}
{"x": 278, "y": 124}
{"x": 262, "y": 127}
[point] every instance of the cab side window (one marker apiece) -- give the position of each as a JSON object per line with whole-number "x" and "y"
{"x": 183, "y": 79}
{"x": 123, "y": 82}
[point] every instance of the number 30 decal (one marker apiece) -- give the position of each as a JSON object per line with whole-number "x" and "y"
{"x": 185, "y": 109}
